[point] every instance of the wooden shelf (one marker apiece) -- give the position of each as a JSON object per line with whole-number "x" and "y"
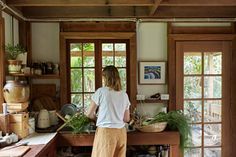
{"x": 152, "y": 101}
{"x": 46, "y": 76}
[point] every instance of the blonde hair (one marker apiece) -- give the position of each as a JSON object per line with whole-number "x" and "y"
{"x": 112, "y": 77}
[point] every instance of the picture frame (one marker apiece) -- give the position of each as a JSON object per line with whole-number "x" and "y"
{"x": 152, "y": 72}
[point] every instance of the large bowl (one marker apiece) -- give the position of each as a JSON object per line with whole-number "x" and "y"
{"x": 155, "y": 127}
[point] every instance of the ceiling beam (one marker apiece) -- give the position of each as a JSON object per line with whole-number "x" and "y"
{"x": 78, "y": 3}
{"x": 83, "y": 12}
{"x": 153, "y": 9}
{"x": 196, "y": 12}
{"x": 198, "y": 3}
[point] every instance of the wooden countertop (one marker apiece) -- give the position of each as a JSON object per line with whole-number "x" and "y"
{"x": 133, "y": 138}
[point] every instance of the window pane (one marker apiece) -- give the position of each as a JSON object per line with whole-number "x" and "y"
{"x": 194, "y": 110}
{"x": 193, "y": 63}
{"x": 212, "y": 87}
{"x": 213, "y": 63}
{"x": 76, "y": 55}
{"x": 212, "y": 134}
{"x": 107, "y": 47}
{"x": 192, "y": 87}
{"x": 77, "y": 100}
{"x": 76, "y": 80}
{"x": 120, "y": 55}
{"x": 195, "y": 152}
{"x": 122, "y": 73}
{"x": 89, "y": 80}
{"x": 87, "y": 101}
{"x": 88, "y": 54}
{"x": 196, "y": 135}
{"x": 212, "y": 152}
{"x": 212, "y": 111}
{"x": 120, "y": 47}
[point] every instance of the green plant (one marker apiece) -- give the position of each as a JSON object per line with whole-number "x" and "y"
{"x": 78, "y": 122}
{"x": 177, "y": 121}
{"x": 12, "y": 51}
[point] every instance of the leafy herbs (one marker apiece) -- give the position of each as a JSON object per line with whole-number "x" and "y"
{"x": 78, "y": 122}
{"x": 13, "y": 51}
{"x": 176, "y": 121}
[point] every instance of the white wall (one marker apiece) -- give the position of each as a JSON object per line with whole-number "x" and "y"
{"x": 151, "y": 42}
{"x": 45, "y": 42}
{"x": 45, "y": 46}
{"x": 152, "y": 46}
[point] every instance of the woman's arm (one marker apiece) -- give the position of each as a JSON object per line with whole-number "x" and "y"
{"x": 126, "y": 116}
{"x": 92, "y": 111}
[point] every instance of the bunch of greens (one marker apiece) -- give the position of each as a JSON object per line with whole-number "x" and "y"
{"x": 12, "y": 51}
{"x": 176, "y": 121}
{"x": 78, "y": 122}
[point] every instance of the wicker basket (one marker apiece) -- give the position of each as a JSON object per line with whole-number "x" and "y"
{"x": 156, "y": 127}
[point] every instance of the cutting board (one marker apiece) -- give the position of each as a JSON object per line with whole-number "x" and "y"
{"x": 14, "y": 152}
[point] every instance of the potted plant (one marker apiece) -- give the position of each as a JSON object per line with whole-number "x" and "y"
{"x": 12, "y": 51}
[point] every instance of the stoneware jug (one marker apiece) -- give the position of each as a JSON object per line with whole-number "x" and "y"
{"x": 16, "y": 91}
{"x": 43, "y": 119}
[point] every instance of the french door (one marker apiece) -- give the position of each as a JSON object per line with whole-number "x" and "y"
{"x": 202, "y": 91}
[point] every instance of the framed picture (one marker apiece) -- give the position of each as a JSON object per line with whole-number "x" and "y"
{"x": 152, "y": 72}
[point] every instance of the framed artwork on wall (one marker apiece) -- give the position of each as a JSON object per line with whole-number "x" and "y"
{"x": 152, "y": 72}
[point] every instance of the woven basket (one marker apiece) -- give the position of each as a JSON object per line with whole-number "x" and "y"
{"x": 156, "y": 127}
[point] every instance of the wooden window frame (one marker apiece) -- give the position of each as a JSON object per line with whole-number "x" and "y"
{"x": 98, "y": 62}
{"x": 131, "y": 63}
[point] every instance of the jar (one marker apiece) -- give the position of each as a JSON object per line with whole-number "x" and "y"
{"x": 16, "y": 92}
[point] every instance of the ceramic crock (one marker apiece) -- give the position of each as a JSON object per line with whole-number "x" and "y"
{"x": 16, "y": 92}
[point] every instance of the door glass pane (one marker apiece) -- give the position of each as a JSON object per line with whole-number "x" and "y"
{"x": 89, "y": 80}
{"x": 196, "y": 135}
{"x": 75, "y": 55}
{"x": 77, "y": 100}
{"x": 212, "y": 87}
{"x": 88, "y": 55}
{"x": 192, "y": 87}
{"x": 120, "y": 55}
{"x": 212, "y": 134}
{"x": 212, "y": 152}
{"x": 193, "y": 63}
{"x": 213, "y": 63}
{"x": 194, "y": 110}
{"x": 107, "y": 54}
{"x": 122, "y": 73}
{"x": 194, "y": 152}
{"x": 212, "y": 111}
{"x": 76, "y": 80}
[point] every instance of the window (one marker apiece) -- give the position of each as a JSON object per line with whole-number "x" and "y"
{"x": 87, "y": 58}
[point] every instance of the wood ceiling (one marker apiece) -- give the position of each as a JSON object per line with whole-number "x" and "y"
{"x": 39, "y": 9}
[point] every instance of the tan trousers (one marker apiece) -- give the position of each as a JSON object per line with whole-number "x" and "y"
{"x": 109, "y": 142}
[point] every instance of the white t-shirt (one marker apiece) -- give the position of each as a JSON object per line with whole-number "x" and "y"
{"x": 112, "y": 105}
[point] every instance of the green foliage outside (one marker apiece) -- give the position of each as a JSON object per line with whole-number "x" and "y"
{"x": 87, "y": 84}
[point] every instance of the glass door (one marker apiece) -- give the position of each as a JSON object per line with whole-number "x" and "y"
{"x": 200, "y": 93}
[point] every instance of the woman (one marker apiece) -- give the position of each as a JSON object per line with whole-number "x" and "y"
{"x": 111, "y": 136}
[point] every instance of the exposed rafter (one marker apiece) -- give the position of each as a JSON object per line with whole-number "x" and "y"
{"x": 45, "y": 9}
{"x": 198, "y": 3}
{"x": 79, "y": 3}
{"x": 154, "y": 7}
